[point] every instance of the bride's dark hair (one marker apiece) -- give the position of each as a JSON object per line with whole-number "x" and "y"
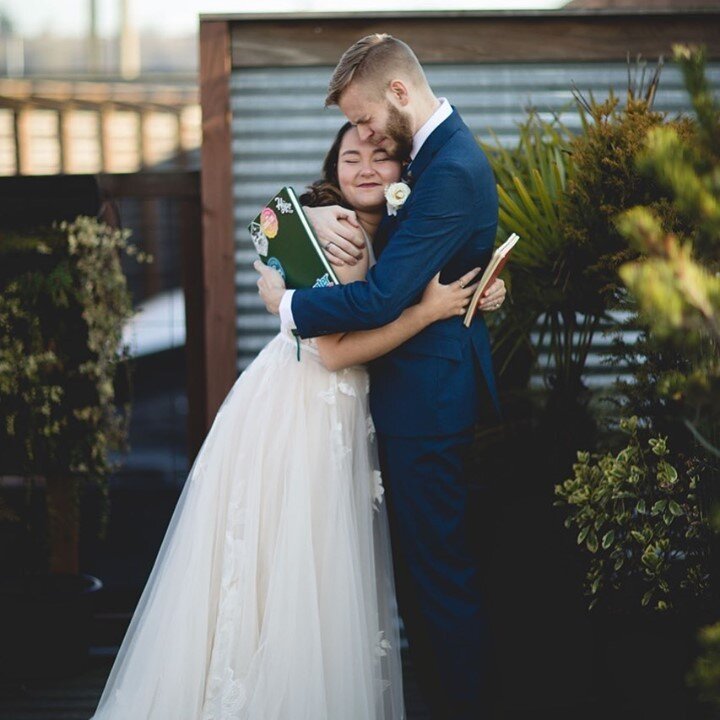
{"x": 326, "y": 190}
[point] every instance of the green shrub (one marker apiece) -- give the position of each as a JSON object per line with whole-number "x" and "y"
{"x": 63, "y": 302}
{"x": 638, "y": 517}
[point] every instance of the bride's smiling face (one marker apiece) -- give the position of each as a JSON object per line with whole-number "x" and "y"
{"x": 364, "y": 171}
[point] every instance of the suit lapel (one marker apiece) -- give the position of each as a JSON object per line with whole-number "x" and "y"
{"x": 437, "y": 138}
{"x": 382, "y": 235}
{"x": 414, "y": 170}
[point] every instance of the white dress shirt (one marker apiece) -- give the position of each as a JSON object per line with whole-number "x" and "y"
{"x": 442, "y": 113}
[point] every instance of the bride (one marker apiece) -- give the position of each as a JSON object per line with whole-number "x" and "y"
{"x": 272, "y": 594}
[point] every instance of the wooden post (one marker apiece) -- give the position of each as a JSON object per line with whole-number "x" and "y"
{"x": 21, "y": 132}
{"x": 149, "y": 212}
{"x": 63, "y": 524}
{"x": 64, "y": 139}
{"x": 218, "y": 252}
{"x": 106, "y": 163}
{"x": 143, "y": 138}
{"x": 195, "y": 360}
{"x": 181, "y": 150}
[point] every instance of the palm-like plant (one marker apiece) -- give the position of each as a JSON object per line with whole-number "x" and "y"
{"x": 532, "y": 181}
{"x": 561, "y": 192}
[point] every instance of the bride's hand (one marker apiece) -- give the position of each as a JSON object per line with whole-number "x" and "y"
{"x": 271, "y": 287}
{"x": 493, "y": 297}
{"x": 445, "y": 301}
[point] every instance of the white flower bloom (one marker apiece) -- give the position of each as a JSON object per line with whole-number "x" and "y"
{"x": 396, "y": 194}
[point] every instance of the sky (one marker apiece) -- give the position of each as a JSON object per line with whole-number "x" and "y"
{"x": 180, "y": 17}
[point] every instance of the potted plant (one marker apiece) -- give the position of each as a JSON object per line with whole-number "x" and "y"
{"x": 63, "y": 301}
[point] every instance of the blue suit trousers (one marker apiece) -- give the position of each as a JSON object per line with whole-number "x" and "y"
{"x": 438, "y": 572}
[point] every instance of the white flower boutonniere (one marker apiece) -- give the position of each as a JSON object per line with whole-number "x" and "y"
{"x": 396, "y": 194}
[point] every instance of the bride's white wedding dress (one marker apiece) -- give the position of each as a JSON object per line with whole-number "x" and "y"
{"x": 272, "y": 595}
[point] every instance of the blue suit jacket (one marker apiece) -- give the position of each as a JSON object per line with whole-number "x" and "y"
{"x": 428, "y": 385}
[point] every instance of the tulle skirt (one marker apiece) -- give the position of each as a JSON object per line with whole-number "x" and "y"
{"x": 272, "y": 595}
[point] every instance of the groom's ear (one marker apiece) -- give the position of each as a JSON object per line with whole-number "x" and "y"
{"x": 398, "y": 90}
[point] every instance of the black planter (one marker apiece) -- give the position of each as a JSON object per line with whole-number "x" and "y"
{"x": 45, "y": 625}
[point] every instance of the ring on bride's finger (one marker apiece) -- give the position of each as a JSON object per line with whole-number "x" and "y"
{"x": 327, "y": 245}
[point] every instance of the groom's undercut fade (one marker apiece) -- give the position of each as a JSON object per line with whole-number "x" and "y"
{"x": 375, "y": 60}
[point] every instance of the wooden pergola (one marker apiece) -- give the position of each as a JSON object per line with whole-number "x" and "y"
{"x": 140, "y": 103}
{"x": 232, "y": 42}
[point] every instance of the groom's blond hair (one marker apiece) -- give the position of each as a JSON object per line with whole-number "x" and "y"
{"x": 375, "y": 60}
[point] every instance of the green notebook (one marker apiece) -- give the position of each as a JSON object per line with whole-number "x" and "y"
{"x": 285, "y": 241}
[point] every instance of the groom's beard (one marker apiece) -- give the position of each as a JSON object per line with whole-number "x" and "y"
{"x": 399, "y": 130}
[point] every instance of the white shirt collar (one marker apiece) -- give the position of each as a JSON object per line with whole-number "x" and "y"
{"x": 440, "y": 115}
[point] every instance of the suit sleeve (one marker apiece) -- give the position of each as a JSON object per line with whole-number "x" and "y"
{"x": 448, "y": 205}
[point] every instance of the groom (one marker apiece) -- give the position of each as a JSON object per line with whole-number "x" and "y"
{"x": 426, "y": 395}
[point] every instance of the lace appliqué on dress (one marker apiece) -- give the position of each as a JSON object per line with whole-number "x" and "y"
{"x": 226, "y": 695}
{"x": 377, "y": 489}
{"x": 338, "y": 383}
{"x": 382, "y": 644}
{"x": 337, "y": 437}
{"x": 228, "y": 700}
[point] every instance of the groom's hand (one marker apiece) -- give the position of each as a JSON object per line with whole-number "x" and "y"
{"x": 339, "y": 233}
{"x": 271, "y": 287}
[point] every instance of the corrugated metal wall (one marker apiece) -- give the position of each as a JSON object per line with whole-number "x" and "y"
{"x": 281, "y": 133}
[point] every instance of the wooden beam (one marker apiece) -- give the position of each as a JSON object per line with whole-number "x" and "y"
{"x": 218, "y": 246}
{"x": 475, "y": 37}
{"x": 160, "y": 94}
{"x": 147, "y": 184}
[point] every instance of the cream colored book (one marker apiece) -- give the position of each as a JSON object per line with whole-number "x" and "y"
{"x": 495, "y": 266}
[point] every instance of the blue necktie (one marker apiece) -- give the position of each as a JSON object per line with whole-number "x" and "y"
{"x": 407, "y": 175}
